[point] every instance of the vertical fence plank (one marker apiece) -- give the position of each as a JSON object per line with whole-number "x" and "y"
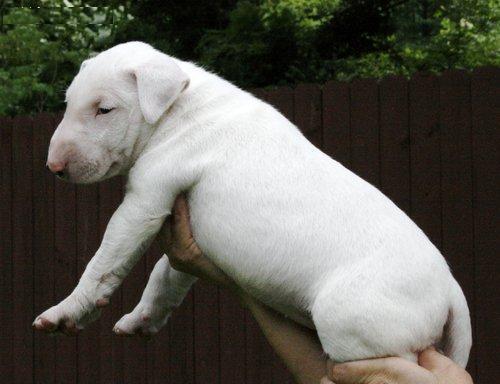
{"x": 22, "y": 249}
{"x": 134, "y": 348}
{"x": 181, "y": 345}
{"x": 206, "y": 333}
{"x": 87, "y": 242}
{"x": 282, "y": 98}
{"x": 111, "y": 346}
{"x": 364, "y": 130}
{"x": 259, "y": 354}
{"x": 43, "y": 245}
{"x": 6, "y": 276}
{"x": 425, "y": 155}
{"x": 65, "y": 272}
{"x": 307, "y": 112}
{"x": 485, "y": 117}
{"x": 232, "y": 339}
{"x": 336, "y": 121}
{"x": 456, "y": 181}
{"x": 395, "y": 141}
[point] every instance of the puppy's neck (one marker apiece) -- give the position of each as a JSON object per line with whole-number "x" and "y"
{"x": 186, "y": 113}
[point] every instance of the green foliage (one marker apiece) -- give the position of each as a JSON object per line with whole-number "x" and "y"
{"x": 275, "y": 40}
{"x": 175, "y": 27}
{"x": 41, "y": 49}
{"x": 251, "y": 42}
{"x": 289, "y": 41}
{"x": 455, "y": 34}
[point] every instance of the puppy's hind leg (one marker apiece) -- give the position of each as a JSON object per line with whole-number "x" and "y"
{"x": 165, "y": 290}
{"x": 357, "y": 320}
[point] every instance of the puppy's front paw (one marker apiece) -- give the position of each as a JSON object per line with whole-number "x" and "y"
{"x": 68, "y": 317}
{"x": 143, "y": 320}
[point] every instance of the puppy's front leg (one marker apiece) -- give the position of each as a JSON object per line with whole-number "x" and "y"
{"x": 129, "y": 232}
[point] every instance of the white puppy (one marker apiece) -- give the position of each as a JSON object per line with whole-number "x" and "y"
{"x": 290, "y": 225}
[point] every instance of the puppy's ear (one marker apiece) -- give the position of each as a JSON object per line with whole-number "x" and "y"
{"x": 85, "y": 63}
{"x": 159, "y": 82}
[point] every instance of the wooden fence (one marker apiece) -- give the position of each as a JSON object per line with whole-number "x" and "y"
{"x": 430, "y": 143}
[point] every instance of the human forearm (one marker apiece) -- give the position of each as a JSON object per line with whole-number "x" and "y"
{"x": 297, "y": 346}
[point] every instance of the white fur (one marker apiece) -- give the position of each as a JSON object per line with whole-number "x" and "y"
{"x": 289, "y": 224}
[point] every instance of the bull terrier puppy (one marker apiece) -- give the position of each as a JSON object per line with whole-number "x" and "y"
{"x": 291, "y": 226}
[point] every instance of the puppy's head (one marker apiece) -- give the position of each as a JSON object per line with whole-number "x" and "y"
{"x": 112, "y": 106}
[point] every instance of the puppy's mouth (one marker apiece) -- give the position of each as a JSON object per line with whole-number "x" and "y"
{"x": 89, "y": 171}
{"x": 80, "y": 172}
{"x": 62, "y": 175}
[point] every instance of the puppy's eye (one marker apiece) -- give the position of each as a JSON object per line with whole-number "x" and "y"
{"x": 103, "y": 111}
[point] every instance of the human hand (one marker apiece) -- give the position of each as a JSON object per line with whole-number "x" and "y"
{"x": 433, "y": 368}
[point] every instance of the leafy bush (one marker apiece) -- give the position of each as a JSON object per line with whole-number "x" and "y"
{"x": 41, "y": 50}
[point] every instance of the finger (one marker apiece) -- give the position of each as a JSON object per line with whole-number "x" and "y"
{"x": 181, "y": 225}
{"x": 355, "y": 372}
{"x": 326, "y": 380}
{"x": 433, "y": 361}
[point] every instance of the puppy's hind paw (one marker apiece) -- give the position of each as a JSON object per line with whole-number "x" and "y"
{"x": 139, "y": 322}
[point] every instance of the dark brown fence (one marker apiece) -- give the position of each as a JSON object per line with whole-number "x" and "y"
{"x": 430, "y": 143}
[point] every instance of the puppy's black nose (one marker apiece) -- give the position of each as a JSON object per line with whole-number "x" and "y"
{"x": 60, "y": 173}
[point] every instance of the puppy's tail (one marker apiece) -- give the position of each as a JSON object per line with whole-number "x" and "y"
{"x": 457, "y": 337}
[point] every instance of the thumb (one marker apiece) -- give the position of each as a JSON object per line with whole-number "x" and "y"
{"x": 181, "y": 225}
{"x": 181, "y": 211}
{"x": 433, "y": 361}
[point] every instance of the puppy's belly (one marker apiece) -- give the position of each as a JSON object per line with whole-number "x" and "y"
{"x": 259, "y": 275}
{"x": 261, "y": 259}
